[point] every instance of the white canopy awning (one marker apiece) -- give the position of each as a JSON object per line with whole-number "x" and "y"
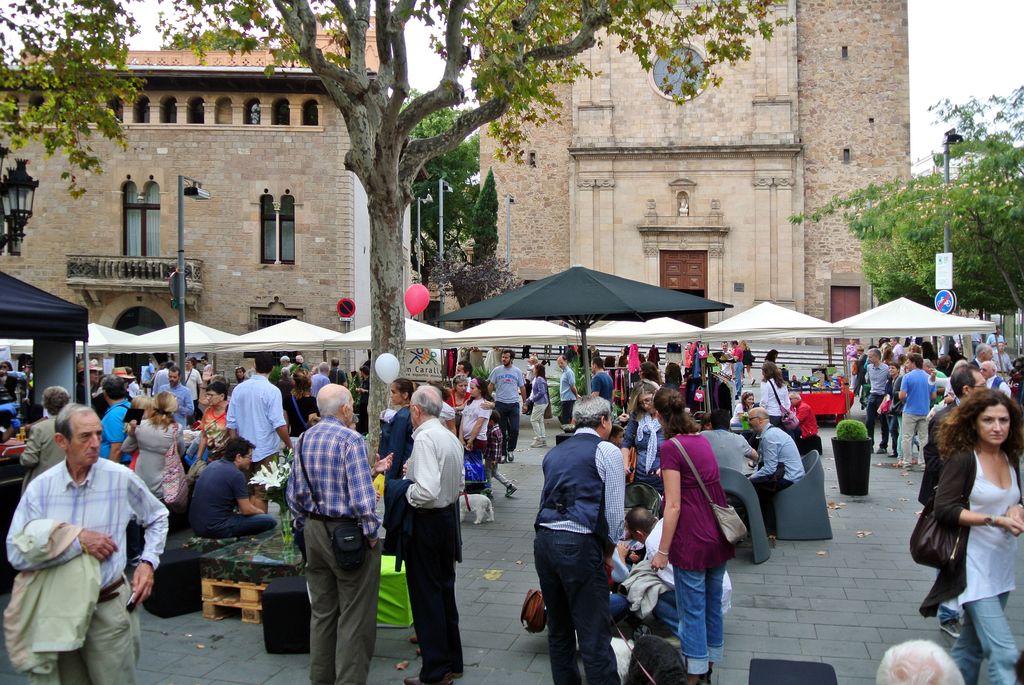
{"x": 198, "y": 338}
{"x": 287, "y": 335}
{"x": 417, "y": 334}
{"x": 498, "y": 332}
{"x": 904, "y": 317}
{"x": 769, "y": 321}
{"x": 102, "y": 340}
{"x": 660, "y": 330}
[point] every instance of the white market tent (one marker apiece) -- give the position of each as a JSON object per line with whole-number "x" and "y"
{"x": 499, "y": 332}
{"x": 287, "y": 335}
{"x": 660, "y": 330}
{"x": 417, "y": 334}
{"x": 769, "y": 321}
{"x": 904, "y": 317}
{"x": 198, "y": 338}
{"x": 102, "y": 340}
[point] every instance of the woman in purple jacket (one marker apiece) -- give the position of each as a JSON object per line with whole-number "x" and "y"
{"x": 697, "y": 549}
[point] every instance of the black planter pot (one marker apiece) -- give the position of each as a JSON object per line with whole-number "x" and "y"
{"x": 853, "y": 465}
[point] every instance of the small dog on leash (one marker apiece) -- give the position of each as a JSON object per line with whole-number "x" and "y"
{"x": 480, "y": 505}
{"x": 658, "y": 656}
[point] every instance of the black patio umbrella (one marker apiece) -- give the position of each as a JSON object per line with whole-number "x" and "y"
{"x": 582, "y": 297}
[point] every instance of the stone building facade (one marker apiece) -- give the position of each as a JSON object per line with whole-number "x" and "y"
{"x": 283, "y": 234}
{"x": 699, "y": 197}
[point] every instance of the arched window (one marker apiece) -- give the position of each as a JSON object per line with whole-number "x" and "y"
{"x": 196, "y": 111}
{"x": 282, "y": 113}
{"x": 141, "y": 220}
{"x": 273, "y": 241}
{"x": 117, "y": 108}
{"x": 222, "y": 113}
{"x": 142, "y": 110}
{"x": 169, "y": 111}
{"x": 139, "y": 320}
{"x": 310, "y": 113}
{"x": 252, "y": 112}
{"x": 35, "y": 101}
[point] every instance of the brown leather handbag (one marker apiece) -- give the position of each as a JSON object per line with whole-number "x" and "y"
{"x": 533, "y": 615}
{"x": 933, "y": 544}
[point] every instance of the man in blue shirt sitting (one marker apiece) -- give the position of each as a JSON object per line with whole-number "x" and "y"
{"x": 221, "y": 488}
{"x": 780, "y": 463}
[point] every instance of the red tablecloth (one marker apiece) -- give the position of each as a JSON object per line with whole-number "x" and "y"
{"x": 826, "y": 403}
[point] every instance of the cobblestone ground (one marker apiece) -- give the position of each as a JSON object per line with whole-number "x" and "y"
{"x": 843, "y": 601}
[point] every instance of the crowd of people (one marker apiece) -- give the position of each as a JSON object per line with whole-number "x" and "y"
{"x": 596, "y": 561}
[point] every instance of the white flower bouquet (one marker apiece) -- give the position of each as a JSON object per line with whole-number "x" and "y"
{"x": 273, "y": 476}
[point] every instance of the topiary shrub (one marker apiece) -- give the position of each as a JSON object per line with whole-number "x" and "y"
{"x": 851, "y": 430}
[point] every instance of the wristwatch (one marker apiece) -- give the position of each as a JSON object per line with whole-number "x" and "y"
{"x": 989, "y": 521}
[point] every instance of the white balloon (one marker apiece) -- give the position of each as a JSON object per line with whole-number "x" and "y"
{"x": 387, "y": 367}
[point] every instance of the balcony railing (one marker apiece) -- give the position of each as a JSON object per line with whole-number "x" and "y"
{"x": 101, "y": 272}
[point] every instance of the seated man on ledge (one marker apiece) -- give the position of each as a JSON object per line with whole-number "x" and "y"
{"x": 220, "y": 489}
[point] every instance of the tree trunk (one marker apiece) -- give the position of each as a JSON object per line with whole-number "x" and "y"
{"x": 387, "y": 276}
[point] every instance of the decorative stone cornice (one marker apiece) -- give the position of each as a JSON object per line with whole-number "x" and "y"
{"x": 760, "y": 150}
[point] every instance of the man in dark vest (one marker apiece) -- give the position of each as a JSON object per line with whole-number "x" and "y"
{"x": 580, "y": 520}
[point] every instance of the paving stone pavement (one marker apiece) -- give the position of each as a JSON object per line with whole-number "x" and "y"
{"x": 843, "y": 601}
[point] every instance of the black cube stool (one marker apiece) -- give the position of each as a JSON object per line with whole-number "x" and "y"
{"x": 177, "y": 587}
{"x": 286, "y": 615}
{"x": 782, "y": 672}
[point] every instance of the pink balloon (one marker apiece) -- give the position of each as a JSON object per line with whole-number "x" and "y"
{"x": 417, "y": 297}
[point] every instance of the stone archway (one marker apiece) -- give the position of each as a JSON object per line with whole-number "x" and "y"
{"x": 139, "y": 320}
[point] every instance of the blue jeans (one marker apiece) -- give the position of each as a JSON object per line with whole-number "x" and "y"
{"x": 570, "y": 567}
{"x": 701, "y": 628}
{"x": 509, "y": 414}
{"x": 665, "y": 610}
{"x": 238, "y": 526}
{"x": 985, "y": 634}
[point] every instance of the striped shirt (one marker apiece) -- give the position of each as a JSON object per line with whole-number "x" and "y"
{"x": 110, "y": 496}
{"x": 612, "y": 472}
{"x": 334, "y": 459}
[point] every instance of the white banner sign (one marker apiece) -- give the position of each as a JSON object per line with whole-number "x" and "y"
{"x": 422, "y": 364}
{"x": 944, "y": 271}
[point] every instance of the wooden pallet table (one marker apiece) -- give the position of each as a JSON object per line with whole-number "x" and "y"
{"x": 223, "y": 598}
{"x": 235, "y": 576}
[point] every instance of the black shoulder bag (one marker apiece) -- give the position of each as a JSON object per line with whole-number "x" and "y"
{"x": 347, "y": 540}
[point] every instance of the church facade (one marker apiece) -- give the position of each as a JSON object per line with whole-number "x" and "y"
{"x": 699, "y": 196}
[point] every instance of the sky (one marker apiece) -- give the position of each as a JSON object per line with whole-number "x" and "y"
{"x": 958, "y": 50}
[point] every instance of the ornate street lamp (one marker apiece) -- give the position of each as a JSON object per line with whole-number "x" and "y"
{"x": 17, "y": 193}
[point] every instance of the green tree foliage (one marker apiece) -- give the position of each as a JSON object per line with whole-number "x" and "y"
{"x": 460, "y": 169}
{"x": 64, "y": 64}
{"x": 484, "y": 220}
{"x": 900, "y": 223}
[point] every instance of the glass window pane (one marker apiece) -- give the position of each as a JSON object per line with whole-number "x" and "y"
{"x": 133, "y": 233}
{"x": 153, "y": 232}
{"x": 287, "y": 240}
{"x": 269, "y": 240}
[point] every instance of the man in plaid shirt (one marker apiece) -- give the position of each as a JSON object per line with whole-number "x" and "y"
{"x": 331, "y": 481}
{"x": 494, "y": 452}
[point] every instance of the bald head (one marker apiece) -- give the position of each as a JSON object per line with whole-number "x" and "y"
{"x": 334, "y": 400}
{"x": 988, "y": 369}
{"x": 758, "y": 413}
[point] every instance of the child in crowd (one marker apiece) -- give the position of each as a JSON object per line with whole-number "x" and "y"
{"x": 617, "y": 435}
{"x": 493, "y": 454}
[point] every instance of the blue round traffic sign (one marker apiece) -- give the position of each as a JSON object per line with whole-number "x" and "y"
{"x": 945, "y": 301}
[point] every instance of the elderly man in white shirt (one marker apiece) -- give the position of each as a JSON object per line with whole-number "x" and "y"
{"x": 993, "y": 380}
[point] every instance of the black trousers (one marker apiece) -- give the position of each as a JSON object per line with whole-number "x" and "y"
{"x": 430, "y": 573}
{"x": 570, "y": 567}
{"x": 766, "y": 489}
{"x": 874, "y": 402}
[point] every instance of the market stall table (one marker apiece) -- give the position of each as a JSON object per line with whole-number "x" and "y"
{"x": 828, "y": 402}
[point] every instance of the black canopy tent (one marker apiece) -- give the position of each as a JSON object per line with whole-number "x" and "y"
{"x": 582, "y": 297}
{"x": 28, "y": 312}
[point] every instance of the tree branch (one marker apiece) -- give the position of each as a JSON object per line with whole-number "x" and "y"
{"x": 300, "y": 24}
{"x": 422, "y": 149}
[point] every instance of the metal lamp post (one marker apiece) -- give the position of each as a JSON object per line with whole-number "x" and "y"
{"x": 509, "y": 201}
{"x": 195, "y": 191}
{"x": 419, "y": 247}
{"x": 951, "y": 137}
{"x": 17, "y": 193}
{"x": 442, "y": 188}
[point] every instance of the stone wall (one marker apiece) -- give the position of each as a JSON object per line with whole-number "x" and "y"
{"x": 540, "y": 186}
{"x": 860, "y": 102}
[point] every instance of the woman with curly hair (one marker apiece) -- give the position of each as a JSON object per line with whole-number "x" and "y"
{"x": 979, "y": 493}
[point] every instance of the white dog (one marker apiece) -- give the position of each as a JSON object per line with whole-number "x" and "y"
{"x": 480, "y": 505}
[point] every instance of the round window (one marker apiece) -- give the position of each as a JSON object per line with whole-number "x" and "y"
{"x": 671, "y": 74}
